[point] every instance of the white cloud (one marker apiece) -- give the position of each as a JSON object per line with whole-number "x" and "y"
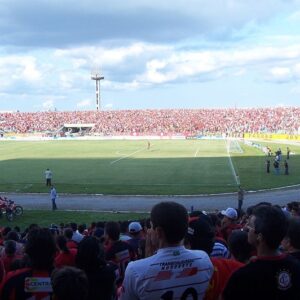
{"x": 280, "y": 73}
{"x": 65, "y": 81}
{"x": 239, "y": 72}
{"x": 30, "y": 71}
{"x": 20, "y": 68}
{"x": 108, "y": 106}
{"x": 84, "y": 103}
{"x": 199, "y": 63}
{"x": 109, "y": 56}
{"x": 48, "y": 105}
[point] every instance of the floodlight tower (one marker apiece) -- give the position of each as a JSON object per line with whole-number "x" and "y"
{"x": 95, "y": 75}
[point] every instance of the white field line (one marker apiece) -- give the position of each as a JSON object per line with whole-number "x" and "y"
{"x": 27, "y": 186}
{"x": 235, "y": 176}
{"x": 166, "y": 184}
{"x": 123, "y": 157}
{"x": 196, "y": 153}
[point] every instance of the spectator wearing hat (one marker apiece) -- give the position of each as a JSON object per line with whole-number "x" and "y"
{"x": 136, "y": 234}
{"x": 228, "y": 223}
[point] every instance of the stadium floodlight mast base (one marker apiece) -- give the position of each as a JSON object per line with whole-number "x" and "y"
{"x": 95, "y": 75}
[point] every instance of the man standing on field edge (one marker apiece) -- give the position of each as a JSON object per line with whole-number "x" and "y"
{"x": 48, "y": 176}
{"x": 53, "y": 195}
{"x": 240, "y": 194}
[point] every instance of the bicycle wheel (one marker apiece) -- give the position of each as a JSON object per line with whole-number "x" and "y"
{"x": 18, "y": 211}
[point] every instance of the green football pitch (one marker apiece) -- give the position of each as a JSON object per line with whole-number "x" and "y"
{"x": 169, "y": 167}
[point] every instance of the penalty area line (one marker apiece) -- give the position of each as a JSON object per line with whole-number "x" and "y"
{"x": 114, "y": 161}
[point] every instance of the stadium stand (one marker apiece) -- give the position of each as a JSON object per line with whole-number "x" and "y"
{"x": 159, "y": 122}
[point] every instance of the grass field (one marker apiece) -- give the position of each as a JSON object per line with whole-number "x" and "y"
{"x": 46, "y": 218}
{"x": 174, "y": 167}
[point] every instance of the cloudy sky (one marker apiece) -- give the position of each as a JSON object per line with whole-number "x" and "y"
{"x": 153, "y": 54}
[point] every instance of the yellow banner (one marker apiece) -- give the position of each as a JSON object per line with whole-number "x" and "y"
{"x": 272, "y": 136}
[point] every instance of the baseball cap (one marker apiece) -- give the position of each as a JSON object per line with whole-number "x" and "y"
{"x": 201, "y": 234}
{"x": 134, "y": 227}
{"x": 230, "y": 213}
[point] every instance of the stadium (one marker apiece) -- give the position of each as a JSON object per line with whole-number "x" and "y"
{"x": 190, "y": 152}
{"x": 149, "y": 150}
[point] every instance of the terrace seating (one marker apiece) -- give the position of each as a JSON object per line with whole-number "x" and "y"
{"x": 160, "y": 122}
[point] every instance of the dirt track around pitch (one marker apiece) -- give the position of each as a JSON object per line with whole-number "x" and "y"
{"x": 113, "y": 203}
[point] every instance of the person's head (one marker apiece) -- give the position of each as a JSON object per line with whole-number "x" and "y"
{"x": 291, "y": 241}
{"x": 239, "y": 246}
{"x": 73, "y": 226}
{"x": 201, "y": 234}
{"x": 294, "y": 208}
{"x": 230, "y": 215}
{"x": 69, "y": 283}
{"x": 10, "y": 247}
{"x": 90, "y": 255}
{"x": 13, "y": 235}
{"x": 267, "y": 226}
{"x": 81, "y": 228}
{"x": 124, "y": 227}
{"x": 17, "y": 229}
{"x": 40, "y": 248}
{"x": 135, "y": 229}
{"x": 68, "y": 233}
{"x": 61, "y": 242}
{"x": 6, "y": 230}
{"x": 170, "y": 219}
{"x": 100, "y": 224}
{"x": 112, "y": 230}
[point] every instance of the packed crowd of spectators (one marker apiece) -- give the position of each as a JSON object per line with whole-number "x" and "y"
{"x": 159, "y": 121}
{"x": 229, "y": 254}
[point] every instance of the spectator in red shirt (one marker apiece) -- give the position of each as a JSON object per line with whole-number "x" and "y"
{"x": 228, "y": 223}
{"x": 9, "y": 255}
{"x": 68, "y": 233}
{"x": 66, "y": 256}
{"x": 40, "y": 249}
